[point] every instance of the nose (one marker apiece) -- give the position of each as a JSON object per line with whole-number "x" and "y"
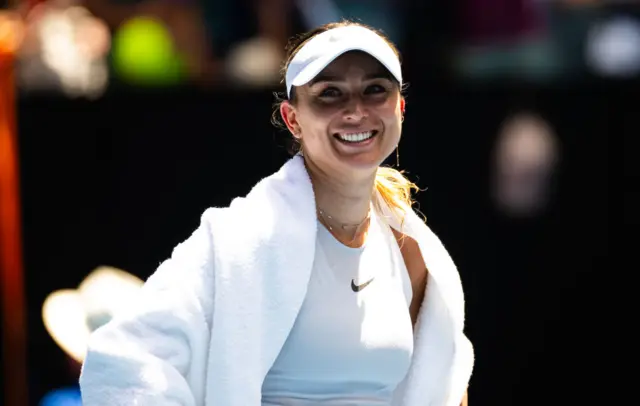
{"x": 355, "y": 110}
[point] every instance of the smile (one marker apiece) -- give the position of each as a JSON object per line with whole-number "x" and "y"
{"x": 353, "y": 138}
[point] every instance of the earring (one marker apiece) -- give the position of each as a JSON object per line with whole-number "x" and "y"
{"x": 398, "y": 156}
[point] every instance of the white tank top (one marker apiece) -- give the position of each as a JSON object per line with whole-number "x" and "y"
{"x": 352, "y": 341}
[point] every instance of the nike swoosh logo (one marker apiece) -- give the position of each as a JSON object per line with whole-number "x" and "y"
{"x": 358, "y": 288}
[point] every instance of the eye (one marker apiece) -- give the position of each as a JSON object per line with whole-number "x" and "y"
{"x": 375, "y": 89}
{"x": 330, "y": 92}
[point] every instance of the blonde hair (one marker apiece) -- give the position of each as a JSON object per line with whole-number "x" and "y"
{"x": 395, "y": 190}
{"x": 391, "y": 185}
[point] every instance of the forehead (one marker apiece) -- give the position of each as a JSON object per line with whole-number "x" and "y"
{"x": 354, "y": 62}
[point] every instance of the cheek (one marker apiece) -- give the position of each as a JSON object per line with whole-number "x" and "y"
{"x": 391, "y": 116}
{"x": 314, "y": 128}
{"x": 324, "y": 114}
{"x": 315, "y": 120}
{"x": 391, "y": 110}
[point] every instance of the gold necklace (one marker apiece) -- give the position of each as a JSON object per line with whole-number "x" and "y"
{"x": 324, "y": 216}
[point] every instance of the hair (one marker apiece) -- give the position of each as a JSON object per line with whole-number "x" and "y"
{"x": 391, "y": 184}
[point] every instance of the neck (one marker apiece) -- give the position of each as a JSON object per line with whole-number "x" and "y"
{"x": 346, "y": 200}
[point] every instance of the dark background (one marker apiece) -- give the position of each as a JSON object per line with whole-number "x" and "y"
{"x": 120, "y": 181}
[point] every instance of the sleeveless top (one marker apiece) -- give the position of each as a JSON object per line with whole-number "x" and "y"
{"x": 352, "y": 341}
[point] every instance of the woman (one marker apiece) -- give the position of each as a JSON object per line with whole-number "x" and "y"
{"x": 312, "y": 289}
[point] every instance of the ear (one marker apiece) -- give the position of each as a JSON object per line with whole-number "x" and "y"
{"x": 289, "y": 116}
{"x": 403, "y": 104}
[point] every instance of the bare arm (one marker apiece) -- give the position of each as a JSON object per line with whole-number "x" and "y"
{"x": 418, "y": 273}
{"x": 465, "y": 399}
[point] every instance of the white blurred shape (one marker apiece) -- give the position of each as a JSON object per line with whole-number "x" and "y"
{"x": 526, "y": 156}
{"x": 71, "y": 315}
{"x": 613, "y": 47}
{"x": 67, "y": 52}
{"x": 255, "y": 62}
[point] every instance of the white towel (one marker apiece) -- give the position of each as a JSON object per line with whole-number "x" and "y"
{"x": 212, "y": 319}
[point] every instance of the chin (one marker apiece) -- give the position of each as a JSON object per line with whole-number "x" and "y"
{"x": 363, "y": 164}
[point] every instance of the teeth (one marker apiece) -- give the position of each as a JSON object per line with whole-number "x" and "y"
{"x": 357, "y": 137}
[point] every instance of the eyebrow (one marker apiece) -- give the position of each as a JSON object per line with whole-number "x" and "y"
{"x": 323, "y": 77}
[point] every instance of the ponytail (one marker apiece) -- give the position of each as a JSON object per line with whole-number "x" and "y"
{"x": 395, "y": 190}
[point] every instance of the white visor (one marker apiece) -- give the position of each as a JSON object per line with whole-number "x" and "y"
{"x": 324, "y": 48}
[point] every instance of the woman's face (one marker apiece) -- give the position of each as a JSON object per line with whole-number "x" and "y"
{"x": 348, "y": 118}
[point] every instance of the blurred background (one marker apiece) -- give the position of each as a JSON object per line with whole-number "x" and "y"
{"x": 133, "y": 116}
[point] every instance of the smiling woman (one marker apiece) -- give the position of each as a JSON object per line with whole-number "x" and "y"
{"x": 321, "y": 286}
{"x": 365, "y": 71}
